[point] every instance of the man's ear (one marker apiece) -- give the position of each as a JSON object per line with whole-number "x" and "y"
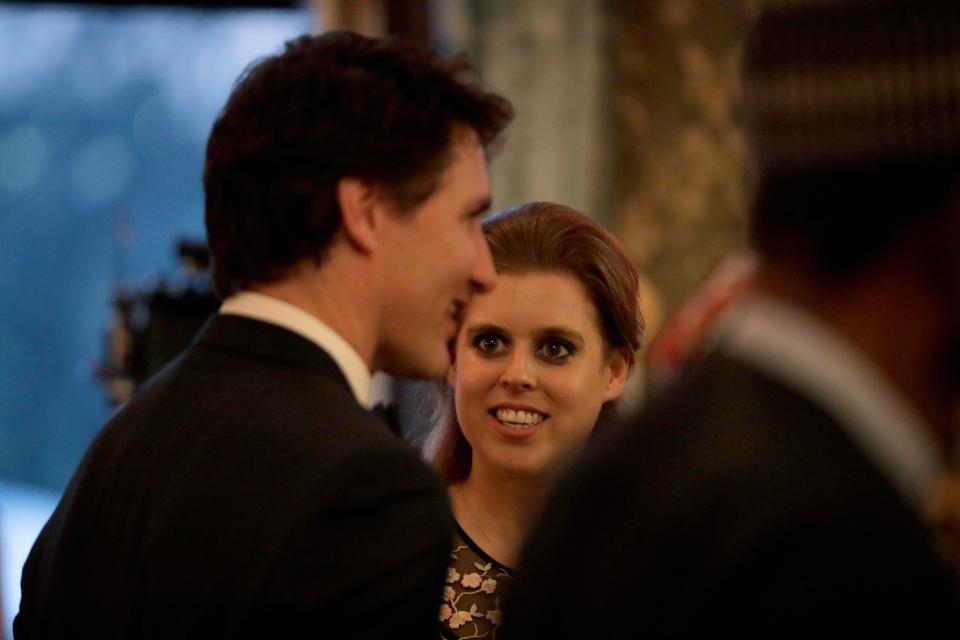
{"x": 359, "y": 201}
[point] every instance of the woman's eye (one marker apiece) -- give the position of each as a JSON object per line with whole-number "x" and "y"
{"x": 488, "y": 344}
{"x": 555, "y": 350}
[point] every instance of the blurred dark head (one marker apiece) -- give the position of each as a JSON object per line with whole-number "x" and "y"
{"x": 331, "y": 106}
{"x": 853, "y": 108}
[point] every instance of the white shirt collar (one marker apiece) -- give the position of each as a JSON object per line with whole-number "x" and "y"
{"x": 794, "y": 347}
{"x": 283, "y": 314}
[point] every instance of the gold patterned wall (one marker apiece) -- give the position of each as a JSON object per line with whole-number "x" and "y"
{"x": 679, "y": 194}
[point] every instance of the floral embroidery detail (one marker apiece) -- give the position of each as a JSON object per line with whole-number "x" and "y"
{"x": 459, "y": 619}
{"x": 471, "y": 580}
{"x": 471, "y": 599}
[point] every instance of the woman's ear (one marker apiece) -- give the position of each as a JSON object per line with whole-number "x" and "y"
{"x": 616, "y": 370}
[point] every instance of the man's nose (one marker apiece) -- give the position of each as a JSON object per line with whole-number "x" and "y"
{"x": 483, "y": 277}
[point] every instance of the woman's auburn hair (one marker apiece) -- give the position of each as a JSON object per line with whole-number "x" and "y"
{"x": 543, "y": 237}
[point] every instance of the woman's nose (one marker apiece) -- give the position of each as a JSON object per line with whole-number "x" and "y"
{"x": 519, "y": 374}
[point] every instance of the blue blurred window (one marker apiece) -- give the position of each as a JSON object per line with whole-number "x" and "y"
{"x": 104, "y": 115}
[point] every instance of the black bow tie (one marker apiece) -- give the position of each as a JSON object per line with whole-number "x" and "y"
{"x": 389, "y": 414}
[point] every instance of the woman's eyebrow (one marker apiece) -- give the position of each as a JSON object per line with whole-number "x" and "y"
{"x": 484, "y": 327}
{"x": 562, "y": 332}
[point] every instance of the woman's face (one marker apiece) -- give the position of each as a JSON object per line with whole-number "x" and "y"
{"x": 531, "y": 373}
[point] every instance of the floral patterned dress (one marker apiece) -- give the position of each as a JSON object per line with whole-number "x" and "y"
{"x": 476, "y": 584}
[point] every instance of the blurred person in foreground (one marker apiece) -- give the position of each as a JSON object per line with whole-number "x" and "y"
{"x": 777, "y": 489}
{"x": 246, "y": 490}
{"x": 536, "y": 361}
{"x": 684, "y": 338}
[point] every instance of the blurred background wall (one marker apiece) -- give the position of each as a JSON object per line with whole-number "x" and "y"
{"x": 678, "y": 191}
{"x": 550, "y": 58}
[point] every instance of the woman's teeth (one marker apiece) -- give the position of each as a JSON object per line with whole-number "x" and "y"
{"x": 519, "y": 419}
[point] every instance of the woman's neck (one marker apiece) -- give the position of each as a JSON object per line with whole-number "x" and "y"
{"x": 498, "y": 511}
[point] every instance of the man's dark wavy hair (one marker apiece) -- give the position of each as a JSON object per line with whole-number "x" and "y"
{"x": 328, "y": 107}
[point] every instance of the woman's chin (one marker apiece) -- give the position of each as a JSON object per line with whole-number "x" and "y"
{"x": 525, "y": 468}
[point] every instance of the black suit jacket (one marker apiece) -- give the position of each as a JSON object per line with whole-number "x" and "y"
{"x": 242, "y": 492}
{"x": 732, "y": 505}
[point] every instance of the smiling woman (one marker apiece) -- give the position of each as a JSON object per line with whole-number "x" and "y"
{"x": 535, "y": 362}
{"x": 531, "y": 375}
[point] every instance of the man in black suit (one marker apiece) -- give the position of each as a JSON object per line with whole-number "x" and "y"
{"x": 778, "y": 488}
{"x": 246, "y": 490}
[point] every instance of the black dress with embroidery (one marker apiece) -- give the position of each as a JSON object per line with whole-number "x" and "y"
{"x": 475, "y": 587}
